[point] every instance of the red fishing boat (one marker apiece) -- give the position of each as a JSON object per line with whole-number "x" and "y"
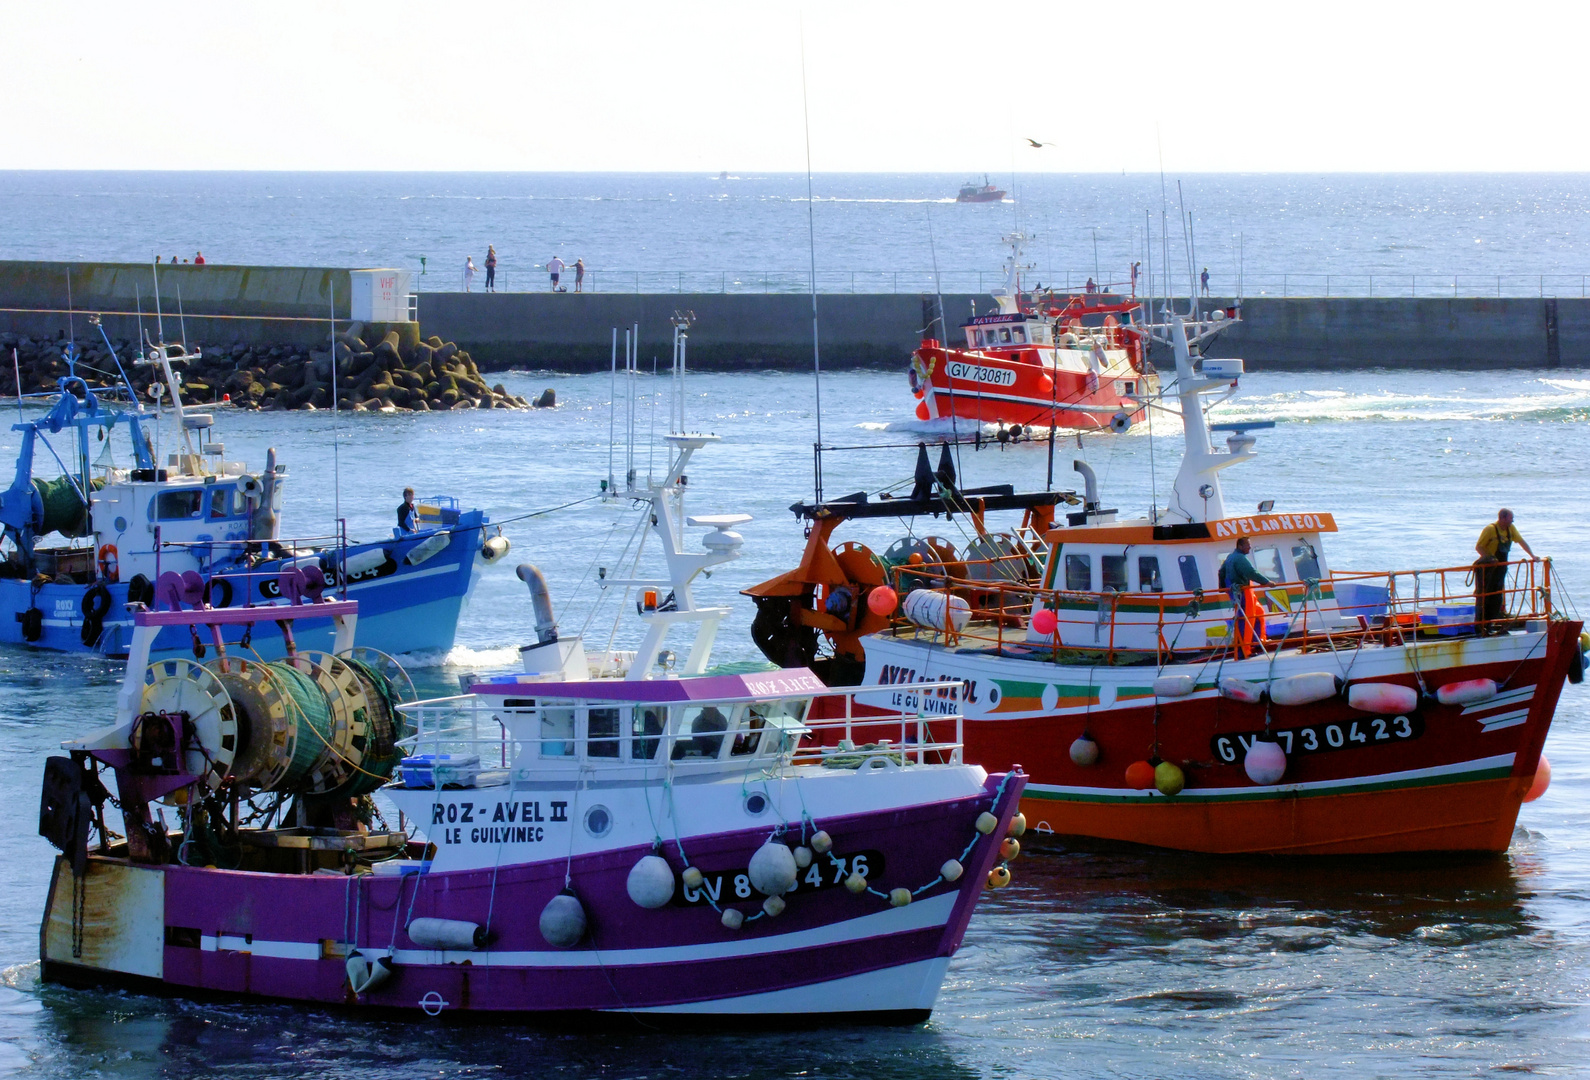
{"x": 1320, "y": 711}
{"x": 1074, "y": 361}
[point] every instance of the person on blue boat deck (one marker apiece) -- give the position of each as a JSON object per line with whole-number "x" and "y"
{"x": 408, "y": 515}
{"x": 1237, "y": 573}
{"x": 1495, "y": 547}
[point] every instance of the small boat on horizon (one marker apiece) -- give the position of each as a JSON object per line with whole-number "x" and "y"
{"x": 973, "y": 192}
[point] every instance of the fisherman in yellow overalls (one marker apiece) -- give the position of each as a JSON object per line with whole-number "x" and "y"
{"x": 1490, "y": 570}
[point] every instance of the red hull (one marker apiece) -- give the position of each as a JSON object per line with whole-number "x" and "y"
{"x": 1016, "y": 388}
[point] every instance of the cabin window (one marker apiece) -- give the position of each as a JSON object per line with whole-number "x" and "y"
{"x": 1306, "y": 560}
{"x": 749, "y": 739}
{"x": 1040, "y": 334}
{"x": 177, "y": 505}
{"x": 1004, "y": 336}
{"x": 557, "y": 733}
{"x": 1079, "y": 573}
{"x": 646, "y": 729}
{"x": 1128, "y": 388}
{"x": 1189, "y": 572}
{"x": 1148, "y": 579}
{"x": 1267, "y": 561}
{"x": 700, "y": 733}
{"x": 601, "y": 732}
{"x": 1113, "y": 568}
{"x": 1019, "y": 336}
{"x": 226, "y": 502}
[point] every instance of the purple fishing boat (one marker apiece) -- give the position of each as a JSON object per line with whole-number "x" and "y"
{"x": 598, "y": 835}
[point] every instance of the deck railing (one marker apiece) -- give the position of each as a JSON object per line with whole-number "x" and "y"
{"x": 1345, "y": 609}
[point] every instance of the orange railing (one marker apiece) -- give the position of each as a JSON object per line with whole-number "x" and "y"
{"x": 1346, "y": 608}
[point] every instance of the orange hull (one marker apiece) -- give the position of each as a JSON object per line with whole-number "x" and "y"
{"x": 1474, "y": 816}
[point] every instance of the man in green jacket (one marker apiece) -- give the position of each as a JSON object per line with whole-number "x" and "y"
{"x": 1239, "y": 573}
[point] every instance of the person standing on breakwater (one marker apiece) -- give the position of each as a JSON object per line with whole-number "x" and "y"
{"x": 408, "y": 515}
{"x": 198, "y": 258}
{"x": 1490, "y": 570}
{"x": 555, "y": 268}
{"x": 491, "y": 268}
{"x": 1204, "y": 280}
{"x": 579, "y": 275}
{"x": 469, "y": 271}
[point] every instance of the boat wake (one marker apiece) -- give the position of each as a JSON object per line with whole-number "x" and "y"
{"x": 1554, "y": 399}
{"x": 462, "y": 656}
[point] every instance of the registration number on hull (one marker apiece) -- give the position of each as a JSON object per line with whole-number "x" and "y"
{"x": 1318, "y": 738}
{"x": 733, "y": 886}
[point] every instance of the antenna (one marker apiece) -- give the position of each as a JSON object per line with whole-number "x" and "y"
{"x": 182, "y": 323}
{"x": 336, "y": 447}
{"x": 1186, "y": 238}
{"x": 160, "y": 326}
{"x": 949, "y": 383}
{"x": 811, "y": 242}
{"x": 612, "y": 414}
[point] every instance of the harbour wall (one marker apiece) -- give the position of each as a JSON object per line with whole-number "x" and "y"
{"x": 223, "y": 305}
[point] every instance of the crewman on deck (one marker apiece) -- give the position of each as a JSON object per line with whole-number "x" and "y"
{"x": 1495, "y": 547}
{"x": 407, "y": 514}
{"x": 1239, "y": 573}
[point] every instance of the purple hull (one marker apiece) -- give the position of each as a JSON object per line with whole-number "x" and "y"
{"x": 285, "y": 936}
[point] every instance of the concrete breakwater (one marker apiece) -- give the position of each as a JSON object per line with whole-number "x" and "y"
{"x": 290, "y": 308}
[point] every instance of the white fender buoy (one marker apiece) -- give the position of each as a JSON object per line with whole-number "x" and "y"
{"x": 1174, "y": 685}
{"x": 952, "y": 870}
{"x": 1305, "y": 689}
{"x": 1387, "y": 699}
{"x": 651, "y": 882}
{"x": 773, "y": 906}
{"x": 926, "y": 608}
{"x": 1467, "y": 692}
{"x": 364, "y": 561}
{"x": 563, "y": 921}
{"x": 446, "y": 934}
{"x": 821, "y": 842}
{"x": 1241, "y": 690}
{"x": 803, "y": 856}
{"x": 494, "y": 549}
{"x": 1084, "y": 752}
{"x": 899, "y": 897}
{"x": 426, "y": 548}
{"x": 733, "y": 918}
{"x": 364, "y": 974}
{"x": 772, "y": 869}
{"x": 1265, "y": 762}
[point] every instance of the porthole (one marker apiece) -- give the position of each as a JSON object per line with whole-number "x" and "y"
{"x": 598, "y": 821}
{"x": 121, "y": 524}
{"x": 756, "y": 803}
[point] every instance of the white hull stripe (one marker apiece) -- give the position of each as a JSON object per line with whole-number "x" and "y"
{"x": 923, "y": 914}
{"x": 1504, "y": 720}
{"x": 907, "y": 986}
{"x": 1501, "y": 701}
{"x": 1499, "y": 761}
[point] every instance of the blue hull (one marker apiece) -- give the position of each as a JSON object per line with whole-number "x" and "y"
{"x": 402, "y": 609}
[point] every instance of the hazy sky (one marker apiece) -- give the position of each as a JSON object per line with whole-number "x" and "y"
{"x": 912, "y": 87}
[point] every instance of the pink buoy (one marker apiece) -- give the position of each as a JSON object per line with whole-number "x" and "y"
{"x": 1542, "y": 781}
{"x": 1265, "y": 762}
{"x": 882, "y": 600}
{"x": 1044, "y": 621}
{"x": 1387, "y": 699}
{"x": 1467, "y": 692}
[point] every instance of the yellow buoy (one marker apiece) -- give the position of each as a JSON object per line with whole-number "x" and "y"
{"x": 899, "y": 897}
{"x": 987, "y": 823}
{"x": 774, "y": 906}
{"x": 952, "y": 870}
{"x": 1018, "y": 825}
{"x": 1169, "y": 778}
{"x": 733, "y": 918}
{"x": 821, "y": 842}
{"x": 856, "y": 884}
{"x": 999, "y": 877}
{"x": 1009, "y": 848}
{"x": 691, "y": 877}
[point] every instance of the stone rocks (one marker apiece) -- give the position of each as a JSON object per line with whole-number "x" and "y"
{"x": 389, "y": 377}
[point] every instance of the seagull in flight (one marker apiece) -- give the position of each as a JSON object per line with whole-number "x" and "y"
{"x": 1036, "y": 144}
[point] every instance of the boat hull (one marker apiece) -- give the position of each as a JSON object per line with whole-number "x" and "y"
{"x": 190, "y": 930}
{"x": 403, "y": 608}
{"x": 1443, "y": 778}
{"x": 991, "y": 388}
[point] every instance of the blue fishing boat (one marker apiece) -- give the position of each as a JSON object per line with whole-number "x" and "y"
{"x": 82, "y": 549}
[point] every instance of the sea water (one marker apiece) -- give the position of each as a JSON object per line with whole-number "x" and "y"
{"x": 1099, "y": 960}
{"x": 1337, "y": 234}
